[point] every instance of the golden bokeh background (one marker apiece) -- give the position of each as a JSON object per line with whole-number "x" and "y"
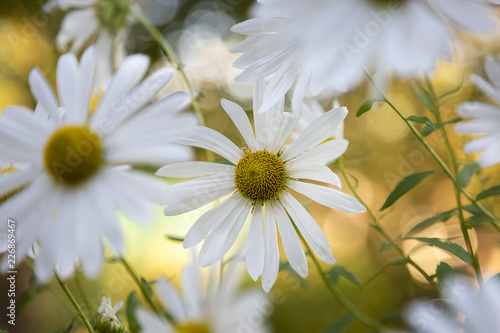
{"x": 382, "y": 151}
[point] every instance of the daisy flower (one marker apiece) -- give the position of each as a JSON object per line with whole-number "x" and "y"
{"x": 484, "y": 118}
{"x": 80, "y": 162}
{"x": 258, "y": 180}
{"x": 324, "y": 45}
{"x": 480, "y": 308}
{"x": 210, "y": 309}
{"x": 104, "y": 22}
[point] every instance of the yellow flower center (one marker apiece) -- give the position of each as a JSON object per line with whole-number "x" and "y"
{"x": 73, "y": 154}
{"x": 260, "y": 176}
{"x": 10, "y": 194}
{"x": 113, "y": 13}
{"x": 192, "y": 328}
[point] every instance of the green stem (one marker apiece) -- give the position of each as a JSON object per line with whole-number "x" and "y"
{"x": 80, "y": 289}
{"x": 339, "y": 296}
{"x": 458, "y": 186}
{"x": 137, "y": 281}
{"x": 75, "y": 303}
{"x": 434, "y": 154}
{"x": 378, "y": 226}
{"x": 174, "y": 59}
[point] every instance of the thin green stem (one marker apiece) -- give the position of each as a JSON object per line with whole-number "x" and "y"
{"x": 75, "y": 303}
{"x": 174, "y": 59}
{"x": 378, "y": 226}
{"x": 82, "y": 292}
{"x": 458, "y": 186}
{"x": 339, "y": 296}
{"x": 434, "y": 154}
{"x": 139, "y": 284}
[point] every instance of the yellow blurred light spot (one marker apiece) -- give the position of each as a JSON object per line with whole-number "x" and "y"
{"x": 12, "y": 193}
{"x": 192, "y": 328}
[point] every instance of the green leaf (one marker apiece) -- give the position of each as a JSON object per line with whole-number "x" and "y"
{"x": 441, "y": 217}
{"x": 33, "y": 290}
{"x": 386, "y": 246}
{"x": 450, "y": 247}
{"x": 147, "y": 286}
{"x": 341, "y": 324}
{"x": 465, "y": 175}
{"x": 175, "y": 238}
{"x": 405, "y": 185}
{"x": 421, "y": 120}
{"x": 69, "y": 327}
{"x": 396, "y": 262}
{"x": 495, "y": 190}
{"x": 392, "y": 317}
{"x": 368, "y": 105}
{"x": 285, "y": 266}
{"x": 443, "y": 270}
{"x": 424, "y": 97}
{"x": 338, "y": 271}
{"x": 429, "y": 130}
{"x": 451, "y": 121}
{"x": 131, "y": 307}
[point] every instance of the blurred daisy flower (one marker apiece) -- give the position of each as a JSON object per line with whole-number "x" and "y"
{"x": 325, "y": 45}
{"x": 485, "y": 118}
{"x": 106, "y": 320}
{"x": 106, "y": 24}
{"x": 258, "y": 180}
{"x": 80, "y": 161}
{"x": 480, "y": 308}
{"x": 208, "y": 310}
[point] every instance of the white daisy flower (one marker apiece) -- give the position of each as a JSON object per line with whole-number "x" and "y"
{"x": 480, "y": 309}
{"x": 258, "y": 181}
{"x": 106, "y": 320}
{"x": 210, "y": 309}
{"x": 324, "y": 45}
{"x": 104, "y": 22}
{"x": 485, "y": 117}
{"x": 80, "y": 162}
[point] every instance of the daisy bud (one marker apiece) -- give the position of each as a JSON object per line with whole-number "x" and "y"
{"x": 106, "y": 319}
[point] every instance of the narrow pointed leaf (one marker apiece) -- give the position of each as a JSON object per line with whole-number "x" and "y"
{"x": 495, "y": 190}
{"x": 405, "y": 185}
{"x": 340, "y": 271}
{"x": 450, "y": 247}
{"x": 441, "y": 217}
{"x": 368, "y": 105}
{"x": 341, "y": 324}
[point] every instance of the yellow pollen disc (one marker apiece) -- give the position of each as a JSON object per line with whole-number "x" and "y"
{"x": 10, "y": 194}
{"x": 192, "y": 328}
{"x": 73, "y": 154}
{"x": 260, "y": 176}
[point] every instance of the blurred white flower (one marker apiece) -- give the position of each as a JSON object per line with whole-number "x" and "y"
{"x": 80, "y": 160}
{"x": 485, "y": 117}
{"x": 481, "y": 309}
{"x": 324, "y": 45}
{"x": 105, "y": 23}
{"x": 257, "y": 181}
{"x": 210, "y": 310}
{"x": 312, "y": 110}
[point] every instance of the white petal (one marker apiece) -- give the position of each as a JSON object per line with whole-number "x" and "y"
{"x": 291, "y": 242}
{"x": 258, "y": 26}
{"x": 486, "y": 88}
{"x": 223, "y": 236}
{"x": 307, "y": 227}
{"x": 207, "y": 138}
{"x": 170, "y": 300}
{"x": 150, "y": 322}
{"x": 255, "y": 244}
{"x": 328, "y": 197}
{"x": 194, "y": 169}
{"x": 186, "y": 196}
{"x": 14, "y": 180}
{"x": 240, "y": 119}
{"x": 67, "y": 85}
{"x": 324, "y": 153}
{"x": 318, "y": 173}
{"x": 209, "y": 221}
{"x": 272, "y": 257}
{"x": 126, "y": 77}
{"x": 191, "y": 288}
{"x": 44, "y": 95}
{"x": 317, "y": 132}
{"x": 471, "y": 15}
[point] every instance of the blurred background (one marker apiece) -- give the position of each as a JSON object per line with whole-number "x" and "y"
{"x": 381, "y": 152}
